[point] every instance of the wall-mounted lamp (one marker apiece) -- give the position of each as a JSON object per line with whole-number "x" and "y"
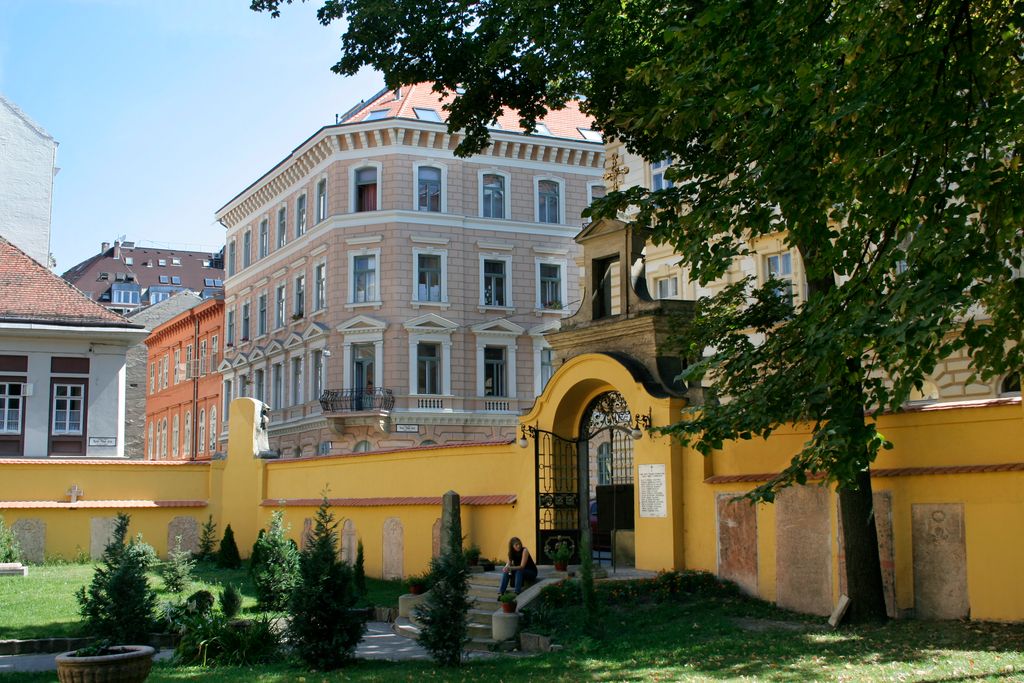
{"x": 638, "y": 422}
{"x": 526, "y": 431}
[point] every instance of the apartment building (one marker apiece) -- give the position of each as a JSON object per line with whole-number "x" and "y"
{"x": 382, "y": 292}
{"x": 183, "y": 405}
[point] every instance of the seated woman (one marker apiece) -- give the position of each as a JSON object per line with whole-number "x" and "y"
{"x": 520, "y": 566}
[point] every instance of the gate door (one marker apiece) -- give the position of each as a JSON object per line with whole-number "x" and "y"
{"x": 558, "y": 495}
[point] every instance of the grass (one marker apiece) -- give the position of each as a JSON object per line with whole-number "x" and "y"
{"x": 43, "y": 604}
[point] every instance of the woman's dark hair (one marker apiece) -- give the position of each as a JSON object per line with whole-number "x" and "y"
{"x": 511, "y": 542}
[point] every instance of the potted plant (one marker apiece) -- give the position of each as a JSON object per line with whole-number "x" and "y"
{"x": 473, "y": 555}
{"x": 419, "y": 583}
{"x": 561, "y": 556}
{"x": 488, "y": 565}
{"x": 508, "y": 602}
{"x": 103, "y": 662}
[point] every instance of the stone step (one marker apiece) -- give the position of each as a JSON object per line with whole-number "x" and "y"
{"x": 478, "y": 630}
{"x": 480, "y": 616}
{"x": 489, "y": 645}
{"x": 477, "y": 591}
{"x": 485, "y": 579}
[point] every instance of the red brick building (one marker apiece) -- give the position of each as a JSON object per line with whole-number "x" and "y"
{"x": 183, "y": 411}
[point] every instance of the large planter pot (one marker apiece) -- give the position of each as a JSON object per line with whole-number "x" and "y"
{"x": 126, "y": 664}
{"x": 417, "y": 588}
{"x": 561, "y": 566}
{"x": 508, "y": 606}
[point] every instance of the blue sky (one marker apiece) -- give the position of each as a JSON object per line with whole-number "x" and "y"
{"x": 164, "y": 110}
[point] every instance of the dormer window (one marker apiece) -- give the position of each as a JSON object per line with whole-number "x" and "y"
{"x": 104, "y": 276}
{"x": 175, "y": 261}
{"x": 165, "y": 280}
{"x": 376, "y": 115}
{"x": 427, "y": 114}
{"x": 542, "y": 129}
{"x": 591, "y": 135}
{"x": 162, "y": 262}
{"x": 175, "y": 280}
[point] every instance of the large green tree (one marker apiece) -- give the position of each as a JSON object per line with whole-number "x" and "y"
{"x": 881, "y": 138}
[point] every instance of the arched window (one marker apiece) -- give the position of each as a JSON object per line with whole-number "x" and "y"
{"x": 201, "y": 424}
{"x": 149, "y": 442}
{"x": 187, "y": 445}
{"x": 175, "y": 423}
{"x": 213, "y": 429}
{"x": 1010, "y": 386}
{"x": 362, "y": 447}
{"x": 428, "y": 442}
{"x": 163, "y": 438}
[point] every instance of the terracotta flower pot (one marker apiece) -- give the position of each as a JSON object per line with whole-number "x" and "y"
{"x": 417, "y": 588}
{"x": 508, "y": 606}
{"x": 561, "y": 566}
{"x": 125, "y": 664}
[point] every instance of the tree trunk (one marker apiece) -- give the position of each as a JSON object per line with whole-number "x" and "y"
{"x": 860, "y": 548}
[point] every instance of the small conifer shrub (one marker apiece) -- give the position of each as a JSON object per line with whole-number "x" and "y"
{"x": 359, "y": 571}
{"x": 274, "y": 565}
{"x": 230, "y": 601}
{"x": 9, "y": 549}
{"x": 177, "y": 570}
{"x": 207, "y": 540}
{"x": 443, "y": 614}
{"x": 227, "y": 557}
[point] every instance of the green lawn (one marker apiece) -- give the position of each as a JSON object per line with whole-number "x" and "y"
{"x": 43, "y": 605}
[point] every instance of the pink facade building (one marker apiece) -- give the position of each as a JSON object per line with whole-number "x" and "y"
{"x": 383, "y": 293}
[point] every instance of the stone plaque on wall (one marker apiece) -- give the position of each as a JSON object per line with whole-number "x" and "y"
{"x": 803, "y": 558}
{"x": 307, "y": 531}
{"x": 349, "y": 542}
{"x": 188, "y": 529}
{"x": 940, "y": 562}
{"x": 435, "y": 538}
{"x": 394, "y": 549}
{"x": 737, "y": 541}
{"x": 882, "y": 502}
{"x": 101, "y": 530}
{"x": 31, "y": 535}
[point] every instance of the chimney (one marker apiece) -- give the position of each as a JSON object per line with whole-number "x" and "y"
{"x": 104, "y": 246}
{"x": 117, "y": 250}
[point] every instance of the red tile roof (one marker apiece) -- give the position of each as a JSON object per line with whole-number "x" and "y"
{"x": 104, "y": 504}
{"x": 31, "y": 293}
{"x": 493, "y": 499}
{"x": 564, "y": 123}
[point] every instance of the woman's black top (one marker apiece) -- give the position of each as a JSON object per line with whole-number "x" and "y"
{"x": 516, "y": 558}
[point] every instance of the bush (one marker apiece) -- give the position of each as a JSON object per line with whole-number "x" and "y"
{"x": 208, "y": 639}
{"x": 274, "y": 565}
{"x": 118, "y": 605}
{"x": 201, "y": 601}
{"x": 230, "y": 600}
{"x": 227, "y": 557}
{"x": 177, "y": 570}
{"x": 9, "y": 549}
{"x": 207, "y": 540}
{"x": 359, "y": 571}
{"x": 324, "y": 628}
{"x": 443, "y": 614}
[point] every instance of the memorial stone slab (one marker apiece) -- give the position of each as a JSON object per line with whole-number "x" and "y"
{"x": 188, "y": 529}
{"x": 940, "y": 561}
{"x": 394, "y": 549}
{"x": 349, "y": 542}
{"x": 803, "y": 560}
{"x": 307, "y": 532}
{"x": 435, "y": 538}
{"x": 31, "y": 535}
{"x": 737, "y": 542}
{"x": 101, "y": 531}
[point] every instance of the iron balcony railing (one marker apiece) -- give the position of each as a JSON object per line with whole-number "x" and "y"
{"x": 357, "y": 400}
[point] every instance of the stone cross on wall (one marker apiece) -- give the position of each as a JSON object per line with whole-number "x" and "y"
{"x": 75, "y": 493}
{"x": 614, "y": 171}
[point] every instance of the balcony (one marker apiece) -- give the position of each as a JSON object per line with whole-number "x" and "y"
{"x": 350, "y": 407}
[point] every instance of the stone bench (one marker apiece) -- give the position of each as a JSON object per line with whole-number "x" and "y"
{"x": 13, "y": 569}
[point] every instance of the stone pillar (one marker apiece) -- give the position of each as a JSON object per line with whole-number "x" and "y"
{"x": 450, "y": 512}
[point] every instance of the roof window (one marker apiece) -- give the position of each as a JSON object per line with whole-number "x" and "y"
{"x": 175, "y": 261}
{"x": 128, "y": 261}
{"x": 164, "y": 280}
{"x": 378, "y": 114}
{"x": 175, "y": 280}
{"x": 104, "y": 276}
{"x": 591, "y": 135}
{"x": 119, "y": 277}
{"x": 427, "y": 114}
{"x": 542, "y": 129}
{"x": 162, "y": 262}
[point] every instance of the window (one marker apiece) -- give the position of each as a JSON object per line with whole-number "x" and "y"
{"x": 161, "y": 262}
{"x": 258, "y": 384}
{"x": 126, "y": 294}
{"x": 549, "y": 286}
{"x": 604, "y": 464}
{"x": 427, "y": 114}
{"x": 174, "y": 436}
{"x": 175, "y": 280}
{"x": 163, "y": 438}
{"x": 10, "y": 407}
{"x": 186, "y": 448}
{"x": 231, "y": 259}
{"x": 494, "y": 371}
{"x": 316, "y": 374}
{"x": 128, "y": 261}
{"x": 201, "y": 431}
{"x": 492, "y": 202}
{"x": 152, "y": 377}
{"x": 279, "y": 306}
{"x": 428, "y": 188}
{"x": 428, "y": 368}
{"x": 658, "y": 168}
{"x": 167, "y": 362}
{"x": 428, "y": 277}
{"x": 300, "y": 297}
{"x": 264, "y": 248}
{"x": 247, "y": 249}
{"x": 296, "y": 381}
{"x": 364, "y": 279}
{"x": 177, "y": 366}
{"x": 597, "y": 191}
{"x": 323, "y": 448}
{"x": 1010, "y": 386}
{"x": 320, "y": 287}
{"x": 300, "y": 216}
{"x": 377, "y": 114}
{"x": 547, "y": 366}
{"x": 494, "y": 282}
{"x": 362, "y": 447}
{"x": 541, "y": 129}
{"x": 213, "y": 428}
{"x": 245, "y": 321}
{"x": 149, "y": 441}
{"x": 164, "y": 279}
{"x": 366, "y": 189}
{"x": 189, "y": 370}
{"x": 213, "y": 353}
{"x": 277, "y": 386}
{"x": 175, "y": 261}
{"x": 780, "y": 267}
{"x": 261, "y": 315}
{"x": 591, "y": 135}
{"x": 227, "y": 396}
{"x": 668, "y": 287}
{"x": 548, "y": 201}
{"x": 243, "y": 386}
{"x": 282, "y": 226}
{"x": 202, "y": 357}
{"x": 321, "y": 200}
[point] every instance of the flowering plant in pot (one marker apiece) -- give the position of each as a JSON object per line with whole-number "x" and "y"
{"x": 420, "y": 583}
{"x": 508, "y": 602}
{"x": 472, "y": 555}
{"x": 561, "y": 556}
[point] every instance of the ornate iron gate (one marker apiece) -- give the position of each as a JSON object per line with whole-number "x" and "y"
{"x": 558, "y": 494}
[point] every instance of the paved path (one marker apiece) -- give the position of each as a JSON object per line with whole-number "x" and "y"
{"x": 378, "y": 643}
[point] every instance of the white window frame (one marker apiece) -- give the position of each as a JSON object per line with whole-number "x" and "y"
{"x": 441, "y": 336}
{"x": 317, "y": 379}
{"x": 201, "y": 432}
{"x": 299, "y": 295}
{"x": 277, "y": 389}
{"x": 264, "y": 238}
{"x": 539, "y": 346}
{"x": 322, "y": 199}
{"x": 247, "y": 248}
{"x": 232, "y": 259}
{"x": 149, "y": 441}
{"x": 363, "y": 330}
{"x": 295, "y": 380}
{"x": 789, "y": 277}
{"x": 4, "y": 410}
{"x": 416, "y": 185}
{"x": 495, "y": 339}
{"x": 507, "y": 258}
{"x": 563, "y": 267}
{"x": 186, "y": 444}
{"x": 301, "y": 215}
{"x": 262, "y": 314}
{"x": 507, "y": 199}
{"x": 175, "y": 435}
{"x": 281, "y": 305}
{"x": 590, "y": 190}
{"x": 281, "y": 224}
{"x": 213, "y": 429}
{"x": 674, "y": 279}
{"x": 561, "y": 199}
{"x": 319, "y": 294}
{"x": 353, "y": 193}
{"x": 352, "y": 254}
{"x": 427, "y": 251}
